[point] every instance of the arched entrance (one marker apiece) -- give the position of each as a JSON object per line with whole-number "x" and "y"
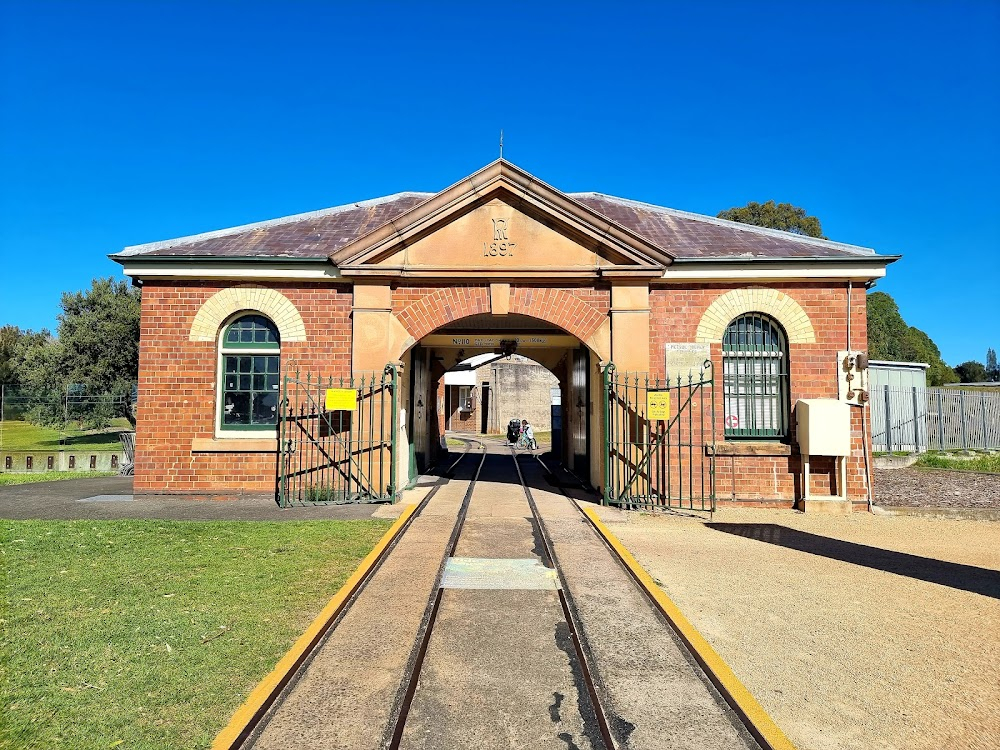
{"x": 431, "y": 403}
{"x": 498, "y": 246}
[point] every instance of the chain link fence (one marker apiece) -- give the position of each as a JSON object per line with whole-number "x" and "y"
{"x": 915, "y": 420}
{"x": 59, "y": 408}
{"x": 44, "y": 419}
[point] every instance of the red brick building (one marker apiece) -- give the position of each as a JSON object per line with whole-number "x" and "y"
{"x": 244, "y": 331}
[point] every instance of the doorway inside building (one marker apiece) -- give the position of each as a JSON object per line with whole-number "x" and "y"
{"x": 478, "y": 374}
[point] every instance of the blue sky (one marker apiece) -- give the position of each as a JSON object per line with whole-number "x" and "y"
{"x": 124, "y": 123}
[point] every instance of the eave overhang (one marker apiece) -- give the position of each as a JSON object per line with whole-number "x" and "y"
{"x": 276, "y": 268}
{"x": 741, "y": 269}
{"x": 250, "y": 268}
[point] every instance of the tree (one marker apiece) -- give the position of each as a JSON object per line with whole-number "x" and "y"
{"x": 88, "y": 372}
{"x": 773, "y": 215}
{"x": 971, "y": 372}
{"x": 19, "y": 354}
{"x": 992, "y": 370}
{"x": 890, "y": 338}
{"x": 886, "y": 326}
{"x": 9, "y": 336}
{"x": 36, "y": 379}
{"x": 99, "y": 336}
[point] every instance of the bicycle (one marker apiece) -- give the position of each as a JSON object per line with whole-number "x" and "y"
{"x": 524, "y": 444}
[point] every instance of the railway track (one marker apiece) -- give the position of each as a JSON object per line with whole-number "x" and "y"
{"x": 549, "y": 560}
{"x": 440, "y": 691}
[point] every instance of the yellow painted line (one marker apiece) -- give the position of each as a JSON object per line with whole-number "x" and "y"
{"x": 756, "y": 719}
{"x": 267, "y": 690}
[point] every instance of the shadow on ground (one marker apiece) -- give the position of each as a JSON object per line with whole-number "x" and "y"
{"x": 955, "y": 575}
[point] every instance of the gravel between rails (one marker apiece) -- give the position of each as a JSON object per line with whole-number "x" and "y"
{"x": 841, "y": 652}
{"x": 937, "y": 488}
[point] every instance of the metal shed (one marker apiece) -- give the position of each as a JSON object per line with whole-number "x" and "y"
{"x": 898, "y": 399}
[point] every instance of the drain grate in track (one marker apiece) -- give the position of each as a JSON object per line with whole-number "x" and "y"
{"x": 491, "y": 573}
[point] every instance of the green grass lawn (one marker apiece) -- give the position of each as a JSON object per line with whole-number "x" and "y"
{"x": 986, "y": 462}
{"x": 50, "y": 476}
{"x": 23, "y": 436}
{"x": 149, "y": 634}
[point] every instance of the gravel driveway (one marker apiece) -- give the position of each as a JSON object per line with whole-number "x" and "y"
{"x": 936, "y": 488}
{"x": 862, "y": 631}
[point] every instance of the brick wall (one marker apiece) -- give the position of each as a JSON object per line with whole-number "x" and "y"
{"x": 519, "y": 389}
{"x": 773, "y": 480}
{"x": 425, "y": 308}
{"x": 178, "y": 390}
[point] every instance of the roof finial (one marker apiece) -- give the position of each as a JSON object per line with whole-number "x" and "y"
{"x": 501, "y": 143}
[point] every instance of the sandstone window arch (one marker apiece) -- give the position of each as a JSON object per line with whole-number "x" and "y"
{"x": 770, "y": 302}
{"x": 222, "y": 305}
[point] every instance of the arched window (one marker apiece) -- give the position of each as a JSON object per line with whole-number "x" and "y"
{"x": 755, "y": 378}
{"x": 249, "y": 354}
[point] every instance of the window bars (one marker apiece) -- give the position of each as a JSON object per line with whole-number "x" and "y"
{"x": 755, "y": 378}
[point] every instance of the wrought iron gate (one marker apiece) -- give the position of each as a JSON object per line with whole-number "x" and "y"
{"x": 653, "y": 463}
{"x": 328, "y": 457}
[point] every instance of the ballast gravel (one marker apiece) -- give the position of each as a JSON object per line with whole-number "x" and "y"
{"x": 861, "y": 631}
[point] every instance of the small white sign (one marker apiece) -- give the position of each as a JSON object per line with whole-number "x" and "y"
{"x": 685, "y": 359}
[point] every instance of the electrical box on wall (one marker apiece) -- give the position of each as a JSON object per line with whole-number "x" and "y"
{"x": 852, "y": 377}
{"x": 823, "y": 426}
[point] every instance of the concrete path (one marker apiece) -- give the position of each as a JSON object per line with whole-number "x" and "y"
{"x": 653, "y": 692}
{"x": 67, "y": 499}
{"x": 500, "y": 670}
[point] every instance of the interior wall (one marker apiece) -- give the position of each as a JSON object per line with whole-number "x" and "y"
{"x": 519, "y": 390}
{"x": 442, "y": 406}
{"x": 403, "y": 440}
{"x": 597, "y": 457}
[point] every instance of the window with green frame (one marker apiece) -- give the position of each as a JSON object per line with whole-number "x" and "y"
{"x": 250, "y": 360}
{"x": 755, "y": 378}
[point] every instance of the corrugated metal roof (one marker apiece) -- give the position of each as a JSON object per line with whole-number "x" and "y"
{"x": 316, "y": 234}
{"x": 889, "y": 364}
{"x": 688, "y": 235}
{"x": 319, "y": 234}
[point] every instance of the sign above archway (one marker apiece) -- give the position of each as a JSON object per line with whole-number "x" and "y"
{"x": 494, "y": 341}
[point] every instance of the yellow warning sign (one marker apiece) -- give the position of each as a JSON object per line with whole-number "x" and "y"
{"x": 657, "y": 405}
{"x": 341, "y": 399}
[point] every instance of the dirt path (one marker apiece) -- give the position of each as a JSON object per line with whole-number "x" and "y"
{"x": 853, "y": 632}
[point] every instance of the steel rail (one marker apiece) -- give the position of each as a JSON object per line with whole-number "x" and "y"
{"x": 468, "y": 447}
{"x": 751, "y": 718}
{"x": 430, "y": 618}
{"x": 246, "y": 735}
{"x": 249, "y": 733}
{"x": 569, "y": 610}
{"x": 568, "y": 613}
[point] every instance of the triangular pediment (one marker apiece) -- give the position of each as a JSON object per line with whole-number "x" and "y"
{"x": 501, "y": 222}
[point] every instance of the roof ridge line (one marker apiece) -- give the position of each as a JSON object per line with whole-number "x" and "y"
{"x": 777, "y": 233}
{"x": 191, "y": 239}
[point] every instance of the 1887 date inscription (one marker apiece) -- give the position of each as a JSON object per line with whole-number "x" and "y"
{"x": 501, "y": 244}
